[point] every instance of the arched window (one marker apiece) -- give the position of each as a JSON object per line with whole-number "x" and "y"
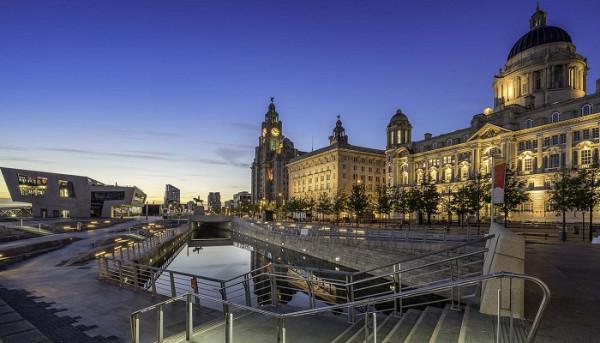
{"x": 449, "y": 142}
{"x": 555, "y": 117}
{"x": 586, "y": 109}
{"x": 464, "y": 172}
{"x": 465, "y": 137}
{"x": 529, "y": 123}
{"x": 433, "y": 175}
{"x": 448, "y": 175}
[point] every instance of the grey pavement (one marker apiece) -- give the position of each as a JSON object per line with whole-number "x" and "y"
{"x": 572, "y": 272}
{"x": 77, "y": 288}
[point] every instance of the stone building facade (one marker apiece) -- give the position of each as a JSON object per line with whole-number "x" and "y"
{"x": 335, "y": 168}
{"x": 542, "y": 121}
{"x": 269, "y": 168}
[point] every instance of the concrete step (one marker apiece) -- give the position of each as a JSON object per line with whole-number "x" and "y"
{"x": 447, "y": 329}
{"x": 345, "y": 335}
{"x": 476, "y": 327}
{"x": 402, "y": 328}
{"x": 386, "y": 327}
{"x": 423, "y": 328}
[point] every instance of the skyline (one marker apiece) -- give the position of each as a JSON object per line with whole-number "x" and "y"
{"x": 151, "y": 110}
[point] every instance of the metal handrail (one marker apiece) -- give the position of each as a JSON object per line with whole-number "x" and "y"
{"x": 431, "y": 253}
{"x": 432, "y": 288}
{"x": 446, "y": 260}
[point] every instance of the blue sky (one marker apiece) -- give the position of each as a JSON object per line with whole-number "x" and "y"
{"x": 156, "y": 92}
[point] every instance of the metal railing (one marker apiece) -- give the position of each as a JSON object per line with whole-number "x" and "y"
{"x": 369, "y": 305}
{"x": 265, "y": 285}
{"x": 356, "y": 233}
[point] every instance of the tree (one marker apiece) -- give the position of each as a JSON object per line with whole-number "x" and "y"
{"x": 447, "y": 203}
{"x": 430, "y": 200}
{"x": 414, "y": 202}
{"x": 400, "y": 200}
{"x": 562, "y": 197}
{"x": 478, "y": 191}
{"x": 462, "y": 203}
{"x": 358, "y": 201}
{"x": 384, "y": 200}
{"x": 514, "y": 194}
{"x": 324, "y": 205}
{"x": 587, "y": 195}
{"x": 339, "y": 205}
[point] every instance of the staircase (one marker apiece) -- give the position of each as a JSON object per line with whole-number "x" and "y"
{"x": 435, "y": 325}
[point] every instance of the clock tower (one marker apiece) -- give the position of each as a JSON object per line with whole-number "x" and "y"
{"x": 269, "y": 170}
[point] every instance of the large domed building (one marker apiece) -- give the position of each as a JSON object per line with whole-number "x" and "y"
{"x": 542, "y": 121}
{"x": 542, "y": 68}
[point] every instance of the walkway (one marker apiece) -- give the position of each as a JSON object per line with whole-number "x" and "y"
{"x": 76, "y": 288}
{"x": 572, "y": 271}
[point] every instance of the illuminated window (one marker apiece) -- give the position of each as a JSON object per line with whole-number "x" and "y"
{"x": 528, "y": 165}
{"x": 465, "y": 172}
{"x": 448, "y": 175}
{"x": 32, "y": 186}
{"x": 65, "y": 189}
{"x": 554, "y": 161}
{"x": 586, "y": 157}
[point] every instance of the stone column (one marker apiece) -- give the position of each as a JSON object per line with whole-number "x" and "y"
{"x": 539, "y": 154}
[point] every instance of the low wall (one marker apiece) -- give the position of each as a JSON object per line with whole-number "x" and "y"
{"x": 506, "y": 253}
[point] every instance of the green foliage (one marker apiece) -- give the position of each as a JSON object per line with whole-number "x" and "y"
{"x": 339, "y": 205}
{"x": 400, "y": 200}
{"x": 514, "y": 194}
{"x": 462, "y": 203}
{"x": 384, "y": 200}
{"x": 324, "y": 205}
{"x": 430, "y": 200}
{"x": 478, "y": 191}
{"x": 358, "y": 201}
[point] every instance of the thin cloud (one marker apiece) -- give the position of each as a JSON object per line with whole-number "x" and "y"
{"x": 146, "y": 156}
{"x": 138, "y": 134}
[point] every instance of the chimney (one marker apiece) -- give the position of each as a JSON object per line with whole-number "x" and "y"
{"x": 598, "y": 86}
{"x": 427, "y": 136}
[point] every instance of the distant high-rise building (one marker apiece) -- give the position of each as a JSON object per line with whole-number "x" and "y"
{"x": 242, "y": 198}
{"x": 172, "y": 195}
{"x": 214, "y": 201}
{"x": 269, "y": 170}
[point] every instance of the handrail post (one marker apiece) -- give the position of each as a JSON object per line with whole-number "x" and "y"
{"x": 246, "y": 285}
{"x": 498, "y": 314}
{"x": 153, "y": 281}
{"x": 273, "y": 282}
{"x": 281, "y": 330}
{"x": 400, "y": 301}
{"x": 189, "y": 319}
{"x": 159, "y": 324}
{"x": 223, "y": 292}
{"x": 396, "y": 287}
{"x": 350, "y": 297}
{"x": 172, "y": 282}
{"x": 229, "y": 328}
{"x": 120, "y": 273}
{"x": 135, "y": 328}
{"x": 311, "y": 292}
{"x": 366, "y": 324}
{"x": 374, "y": 321}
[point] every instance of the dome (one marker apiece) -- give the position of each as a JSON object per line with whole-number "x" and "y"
{"x": 398, "y": 119}
{"x": 538, "y": 36}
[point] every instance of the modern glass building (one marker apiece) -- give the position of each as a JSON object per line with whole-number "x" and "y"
{"x": 53, "y": 195}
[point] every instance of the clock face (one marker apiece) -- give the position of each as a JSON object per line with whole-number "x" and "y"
{"x": 275, "y": 131}
{"x": 264, "y": 132}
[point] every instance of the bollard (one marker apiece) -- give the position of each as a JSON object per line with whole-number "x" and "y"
{"x": 159, "y": 324}
{"x": 189, "y": 323}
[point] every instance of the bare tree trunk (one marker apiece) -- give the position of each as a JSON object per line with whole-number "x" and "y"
{"x": 591, "y": 235}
